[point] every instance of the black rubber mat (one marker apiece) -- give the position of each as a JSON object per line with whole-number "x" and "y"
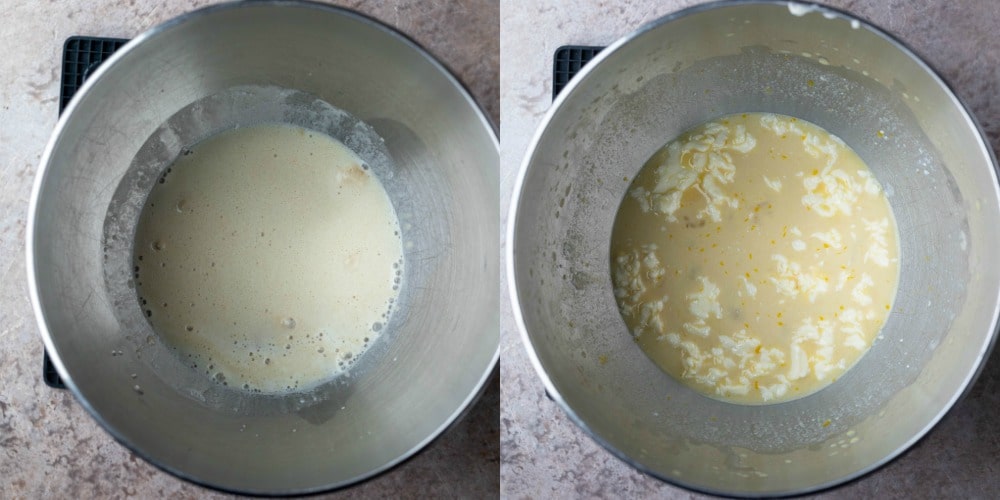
{"x": 82, "y": 55}
{"x": 567, "y": 62}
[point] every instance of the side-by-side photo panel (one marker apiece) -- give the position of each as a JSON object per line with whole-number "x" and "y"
{"x": 250, "y": 248}
{"x": 749, "y": 249}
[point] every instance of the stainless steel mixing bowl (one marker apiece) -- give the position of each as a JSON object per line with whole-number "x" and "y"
{"x": 233, "y": 65}
{"x": 818, "y": 64}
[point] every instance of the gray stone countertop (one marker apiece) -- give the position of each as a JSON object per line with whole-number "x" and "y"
{"x": 545, "y": 455}
{"x": 49, "y": 446}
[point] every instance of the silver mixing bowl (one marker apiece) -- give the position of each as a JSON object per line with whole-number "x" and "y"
{"x": 818, "y": 64}
{"x": 217, "y": 68}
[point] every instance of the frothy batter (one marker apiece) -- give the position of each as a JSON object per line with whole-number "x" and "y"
{"x": 755, "y": 258}
{"x": 268, "y": 257}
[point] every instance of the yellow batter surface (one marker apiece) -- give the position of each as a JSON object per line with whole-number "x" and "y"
{"x": 755, "y": 258}
{"x": 268, "y": 257}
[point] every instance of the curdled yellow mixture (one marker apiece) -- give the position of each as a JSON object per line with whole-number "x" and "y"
{"x": 755, "y": 258}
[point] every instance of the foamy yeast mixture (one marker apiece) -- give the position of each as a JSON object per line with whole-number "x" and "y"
{"x": 268, "y": 257}
{"x": 755, "y": 258}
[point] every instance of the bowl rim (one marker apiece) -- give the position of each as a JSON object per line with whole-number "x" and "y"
{"x": 797, "y": 8}
{"x": 44, "y": 165}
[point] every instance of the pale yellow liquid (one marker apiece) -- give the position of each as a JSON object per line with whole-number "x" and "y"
{"x": 755, "y": 258}
{"x": 268, "y": 257}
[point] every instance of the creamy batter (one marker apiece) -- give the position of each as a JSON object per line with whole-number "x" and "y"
{"x": 755, "y": 258}
{"x": 268, "y": 257}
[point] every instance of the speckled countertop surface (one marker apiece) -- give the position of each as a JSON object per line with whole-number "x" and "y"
{"x": 544, "y": 455}
{"x": 49, "y": 446}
